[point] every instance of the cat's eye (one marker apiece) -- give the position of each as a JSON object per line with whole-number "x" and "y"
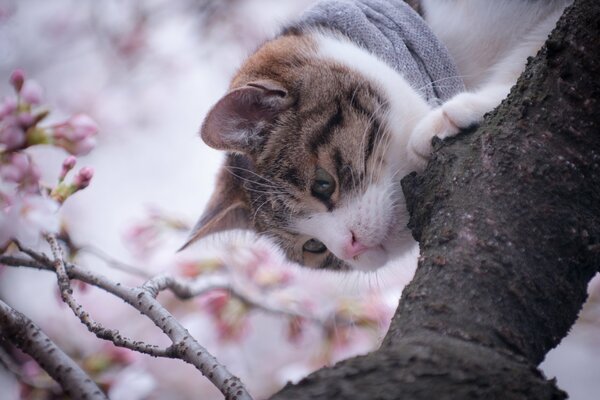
{"x": 324, "y": 185}
{"x": 314, "y": 246}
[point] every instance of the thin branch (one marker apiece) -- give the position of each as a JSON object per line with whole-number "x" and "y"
{"x": 184, "y": 289}
{"x": 113, "y": 262}
{"x": 23, "y": 333}
{"x": 96, "y": 328}
{"x": 13, "y": 261}
{"x": 39, "y": 257}
{"x": 184, "y": 346}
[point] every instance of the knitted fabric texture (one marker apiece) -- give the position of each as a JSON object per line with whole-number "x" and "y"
{"x": 395, "y": 33}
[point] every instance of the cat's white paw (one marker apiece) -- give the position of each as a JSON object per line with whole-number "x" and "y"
{"x": 436, "y": 123}
{"x": 460, "y": 112}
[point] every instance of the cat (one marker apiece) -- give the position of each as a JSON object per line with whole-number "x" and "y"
{"x": 319, "y": 129}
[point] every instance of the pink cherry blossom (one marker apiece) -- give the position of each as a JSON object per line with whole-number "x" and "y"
{"x": 26, "y": 218}
{"x": 195, "y": 268}
{"x": 228, "y": 313}
{"x": 76, "y": 135}
{"x": 20, "y": 169}
{"x": 143, "y": 239}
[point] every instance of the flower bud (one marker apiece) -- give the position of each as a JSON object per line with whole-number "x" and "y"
{"x": 67, "y": 165}
{"x": 17, "y": 78}
{"x": 21, "y": 170}
{"x": 32, "y": 92}
{"x": 76, "y": 135}
{"x": 83, "y": 178}
{"x": 11, "y": 137}
{"x": 25, "y": 120}
{"x": 7, "y": 107}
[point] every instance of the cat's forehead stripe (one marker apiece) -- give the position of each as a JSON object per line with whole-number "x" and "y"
{"x": 375, "y": 134}
{"x": 324, "y": 135}
{"x": 344, "y": 171}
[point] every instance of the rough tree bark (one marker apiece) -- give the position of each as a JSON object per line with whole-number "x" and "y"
{"x": 508, "y": 218}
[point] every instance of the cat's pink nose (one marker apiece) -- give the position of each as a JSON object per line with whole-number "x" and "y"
{"x": 354, "y": 248}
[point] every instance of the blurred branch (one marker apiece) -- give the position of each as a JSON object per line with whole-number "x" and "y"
{"x": 14, "y": 368}
{"x": 23, "y": 333}
{"x": 113, "y": 262}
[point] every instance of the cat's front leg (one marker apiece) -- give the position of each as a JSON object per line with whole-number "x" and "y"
{"x": 460, "y": 112}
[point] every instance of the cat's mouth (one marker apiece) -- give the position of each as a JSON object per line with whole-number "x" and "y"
{"x": 370, "y": 260}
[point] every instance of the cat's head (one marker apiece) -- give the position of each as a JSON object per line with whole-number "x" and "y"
{"x": 316, "y": 130}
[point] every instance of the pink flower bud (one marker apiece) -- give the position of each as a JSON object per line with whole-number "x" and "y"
{"x": 25, "y": 120}
{"x": 11, "y": 137}
{"x": 69, "y": 162}
{"x": 67, "y": 165}
{"x": 32, "y": 92}
{"x": 7, "y": 107}
{"x": 83, "y": 178}
{"x": 16, "y": 168}
{"x": 216, "y": 301}
{"x": 83, "y": 126}
{"x": 77, "y": 134}
{"x": 17, "y": 78}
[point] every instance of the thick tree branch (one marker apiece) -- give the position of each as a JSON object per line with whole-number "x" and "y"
{"x": 23, "y": 333}
{"x": 507, "y": 217}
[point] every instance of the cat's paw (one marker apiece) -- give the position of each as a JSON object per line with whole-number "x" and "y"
{"x": 458, "y": 113}
{"x": 435, "y": 123}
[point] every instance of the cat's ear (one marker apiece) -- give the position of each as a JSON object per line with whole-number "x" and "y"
{"x": 237, "y": 122}
{"x": 226, "y": 210}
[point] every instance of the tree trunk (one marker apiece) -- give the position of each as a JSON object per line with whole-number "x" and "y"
{"x": 508, "y": 219}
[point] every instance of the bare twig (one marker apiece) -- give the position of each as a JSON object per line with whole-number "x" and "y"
{"x": 96, "y": 328}
{"x": 23, "y": 333}
{"x": 184, "y": 289}
{"x": 39, "y": 257}
{"x": 113, "y": 262}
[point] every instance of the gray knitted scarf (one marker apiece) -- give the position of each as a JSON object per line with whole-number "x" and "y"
{"x": 394, "y": 32}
